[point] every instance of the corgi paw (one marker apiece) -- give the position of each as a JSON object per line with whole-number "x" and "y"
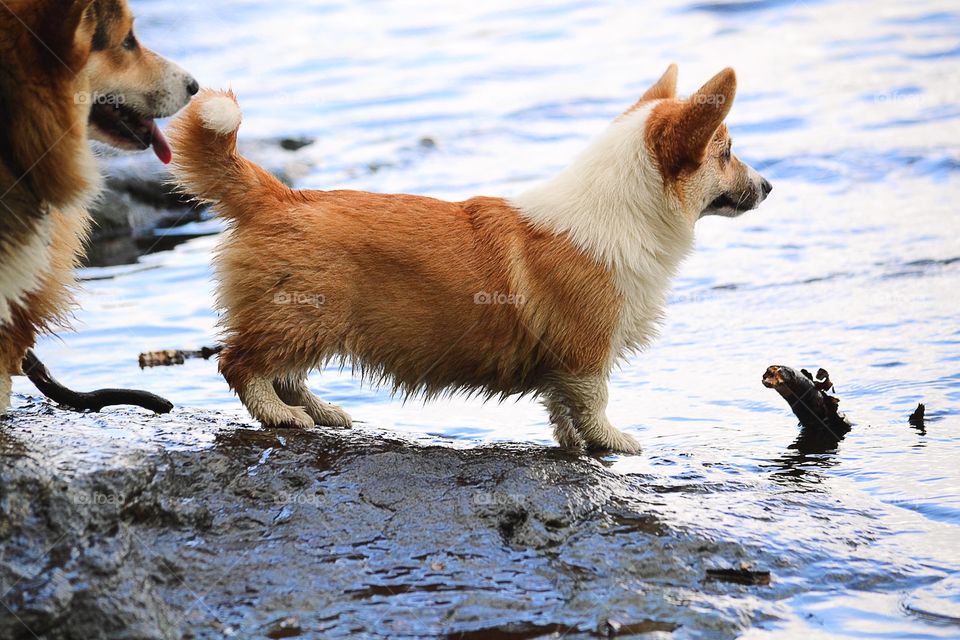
{"x": 566, "y": 436}
{"x": 617, "y": 442}
{"x": 330, "y": 415}
{"x": 290, "y": 418}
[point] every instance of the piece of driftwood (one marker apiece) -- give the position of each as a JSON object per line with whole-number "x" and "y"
{"x": 41, "y": 377}
{"x": 742, "y": 575}
{"x": 172, "y": 357}
{"x": 807, "y": 397}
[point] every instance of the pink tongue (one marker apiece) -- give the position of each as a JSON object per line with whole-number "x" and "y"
{"x": 160, "y": 145}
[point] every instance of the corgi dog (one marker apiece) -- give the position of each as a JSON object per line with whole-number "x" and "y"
{"x": 70, "y": 71}
{"x": 542, "y": 293}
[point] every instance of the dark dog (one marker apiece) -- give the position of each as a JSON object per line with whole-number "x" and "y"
{"x": 70, "y": 70}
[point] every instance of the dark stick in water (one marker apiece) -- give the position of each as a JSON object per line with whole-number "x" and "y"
{"x": 172, "y": 357}
{"x": 40, "y": 376}
{"x": 917, "y": 417}
{"x": 807, "y": 397}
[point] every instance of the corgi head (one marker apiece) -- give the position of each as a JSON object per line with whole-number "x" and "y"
{"x": 643, "y": 182}
{"x": 687, "y": 141}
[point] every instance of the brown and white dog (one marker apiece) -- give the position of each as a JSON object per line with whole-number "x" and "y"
{"x": 70, "y": 70}
{"x": 542, "y": 293}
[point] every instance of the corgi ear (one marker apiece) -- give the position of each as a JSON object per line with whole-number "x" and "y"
{"x": 704, "y": 112}
{"x": 681, "y": 132}
{"x": 665, "y": 88}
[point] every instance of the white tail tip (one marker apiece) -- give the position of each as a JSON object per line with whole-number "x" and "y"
{"x": 220, "y": 114}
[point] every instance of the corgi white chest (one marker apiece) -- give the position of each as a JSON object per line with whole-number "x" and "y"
{"x": 610, "y": 203}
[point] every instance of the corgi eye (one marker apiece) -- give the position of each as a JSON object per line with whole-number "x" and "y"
{"x": 727, "y": 153}
{"x": 130, "y": 43}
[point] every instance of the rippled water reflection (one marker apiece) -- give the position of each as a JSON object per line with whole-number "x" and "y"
{"x": 852, "y": 110}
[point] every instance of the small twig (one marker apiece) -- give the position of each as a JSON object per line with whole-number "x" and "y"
{"x": 40, "y": 376}
{"x": 172, "y": 357}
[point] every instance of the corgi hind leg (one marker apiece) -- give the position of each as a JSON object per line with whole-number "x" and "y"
{"x": 247, "y": 372}
{"x": 563, "y": 430}
{"x": 261, "y": 400}
{"x": 294, "y": 391}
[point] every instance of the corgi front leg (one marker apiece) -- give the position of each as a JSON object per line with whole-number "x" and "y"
{"x": 294, "y": 391}
{"x": 585, "y": 399}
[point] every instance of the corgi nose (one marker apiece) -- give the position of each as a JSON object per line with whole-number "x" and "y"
{"x": 766, "y": 186}
{"x": 193, "y": 86}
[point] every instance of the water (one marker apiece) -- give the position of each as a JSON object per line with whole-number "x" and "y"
{"x": 851, "y": 109}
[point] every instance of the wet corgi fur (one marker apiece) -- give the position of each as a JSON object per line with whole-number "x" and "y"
{"x": 542, "y": 293}
{"x": 70, "y": 71}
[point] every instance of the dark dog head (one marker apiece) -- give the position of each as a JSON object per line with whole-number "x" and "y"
{"x": 128, "y": 85}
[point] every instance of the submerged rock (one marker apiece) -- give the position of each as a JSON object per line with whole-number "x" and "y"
{"x": 121, "y": 525}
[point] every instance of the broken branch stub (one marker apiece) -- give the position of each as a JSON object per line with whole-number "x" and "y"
{"x": 807, "y": 396}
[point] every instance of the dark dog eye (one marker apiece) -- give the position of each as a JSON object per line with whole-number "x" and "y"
{"x": 130, "y": 43}
{"x": 726, "y": 154}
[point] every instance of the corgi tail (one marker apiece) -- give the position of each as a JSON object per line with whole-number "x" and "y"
{"x": 206, "y": 163}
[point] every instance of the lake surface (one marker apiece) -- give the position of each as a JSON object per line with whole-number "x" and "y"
{"x": 850, "y": 108}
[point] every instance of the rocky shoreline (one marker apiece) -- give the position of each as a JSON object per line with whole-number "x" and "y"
{"x": 192, "y": 525}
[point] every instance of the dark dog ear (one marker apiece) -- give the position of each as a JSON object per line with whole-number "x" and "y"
{"x": 57, "y": 31}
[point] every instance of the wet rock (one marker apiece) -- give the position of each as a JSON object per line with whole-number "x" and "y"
{"x": 139, "y": 202}
{"x": 120, "y": 524}
{"x": 295, "y": 144}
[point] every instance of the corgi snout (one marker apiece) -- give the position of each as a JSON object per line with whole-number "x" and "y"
{"x": 761, "y": 184}
{"x": 745, "y": 195}
{"x": 760, "y": 188}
